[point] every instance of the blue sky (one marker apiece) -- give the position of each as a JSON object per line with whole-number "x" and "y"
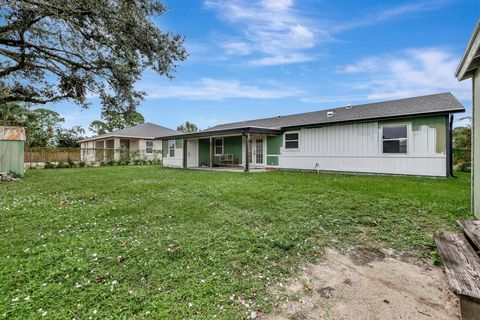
{"x": 250, "y": 59}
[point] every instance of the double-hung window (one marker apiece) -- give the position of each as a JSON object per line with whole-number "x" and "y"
{"x": 171, "y": 148}
{"x": 394, "y": 139}
{"x": 149, "y": 147}
{"x": 218, "y": 143}
{"x": 291, "y": 140}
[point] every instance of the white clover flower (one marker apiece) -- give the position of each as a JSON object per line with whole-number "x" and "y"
{"x": 15, "y": 299}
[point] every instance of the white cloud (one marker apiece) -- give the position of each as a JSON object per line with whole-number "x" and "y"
{"x": 276, "y": 60}
{"x": 364, "y": 65}
{"x": 409, "y": 73}
{"x": 212, "y": 89}
{"x": 237, "y": 48}
{"x": 389, "y": 14}
{"x": 271, "y": 28}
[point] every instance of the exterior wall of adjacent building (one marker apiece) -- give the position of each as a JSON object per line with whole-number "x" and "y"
{"x": 175, "y": 160}
{"x": 476, "y": 145}
{"x": 91, "y": 151}
{"x": 354, "y": 147}
{"x": 357, "y": 147}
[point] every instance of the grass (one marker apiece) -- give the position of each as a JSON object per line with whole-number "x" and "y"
{"x": 148, "y": 242}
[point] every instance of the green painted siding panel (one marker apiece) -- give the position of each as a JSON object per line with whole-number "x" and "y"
{"x": 164, "y": 148}
{"x": 233, "y": 145}
{"x": 11, "y": 156}
{"x": 439, "y": 124}
{"x": 274, "y": 144}
{"x": 204, "y": 152}
{"x": 272, "y": 160}
{"x": 476, "y": 145}
{"x": 179, "y": 144}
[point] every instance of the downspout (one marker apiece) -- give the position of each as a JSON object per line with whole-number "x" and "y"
{"x": 450, "y": 146}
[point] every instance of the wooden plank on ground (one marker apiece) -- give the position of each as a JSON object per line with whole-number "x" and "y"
{"x": 462, "y": 264}
{"x": 471, "y": 228}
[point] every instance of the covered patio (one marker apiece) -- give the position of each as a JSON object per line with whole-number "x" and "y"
{"x": 239, "y": 149}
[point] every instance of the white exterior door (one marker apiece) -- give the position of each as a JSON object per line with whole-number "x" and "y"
{"x": 257, "y": 152}
{"x": 192, "y": 153}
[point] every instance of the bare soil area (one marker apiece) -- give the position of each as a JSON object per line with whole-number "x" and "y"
{"x": 368, "y": 284}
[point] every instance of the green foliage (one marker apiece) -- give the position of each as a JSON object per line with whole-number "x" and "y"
{"x": 40, "y": 124}
{"x": 462, "y": 137}
{"x": 145, "y": 242}
{"x": 68, "y": 138}
{"x": 62, "y": 164}
{"x": 71, "y": 163}
{"x": 187, "y": 127}
{"x": 462, "y": 159}
{"x": 56, "y": 50}
{"x": 49, "y": 165}
{"x": 82, "y": 164}
{"x": 115, "y": 121}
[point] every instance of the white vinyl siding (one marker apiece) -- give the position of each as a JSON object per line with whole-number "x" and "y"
{"x": 358, "y": 148}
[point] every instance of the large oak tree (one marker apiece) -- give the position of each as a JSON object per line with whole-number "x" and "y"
{"x": 52, "y": 50}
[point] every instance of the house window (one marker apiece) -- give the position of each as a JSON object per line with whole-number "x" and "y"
{"x": 291, "y": 140}
{"x": 218, "y": 143}
{"x": 171, "y": 148}
{"x": 149, "y": 147}
{"x": 395, "y": 139}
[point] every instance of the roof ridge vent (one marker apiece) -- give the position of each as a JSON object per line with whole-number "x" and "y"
{"x": 330, "y": 113}
{"x": 348, "y": 106}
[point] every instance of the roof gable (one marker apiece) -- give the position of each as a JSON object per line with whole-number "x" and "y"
{"x": 471, "y": 57}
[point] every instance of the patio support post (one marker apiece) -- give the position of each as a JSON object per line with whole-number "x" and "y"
{"x": 247, "y": 144}
{"x": 211, "y": 149}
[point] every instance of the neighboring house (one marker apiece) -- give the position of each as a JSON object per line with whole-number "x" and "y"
{"x": 138, "y": 141}
{"x": 408, "y": 136}
{"x": 469, "y": 67}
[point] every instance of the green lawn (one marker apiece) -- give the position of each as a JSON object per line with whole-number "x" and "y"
{"x": 147, "y": 242}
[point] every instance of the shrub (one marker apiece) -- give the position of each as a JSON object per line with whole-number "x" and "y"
{"x": 63, "y": 164}
{"x": 71, "y": 163}
{"x": 49, "y": 165}
{"x": 82, "y": 164}
{"x": 464, "y": 166}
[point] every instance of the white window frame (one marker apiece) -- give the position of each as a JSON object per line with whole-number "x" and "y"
{"x": 148, "y": 147}
{"x": 215, "y": 147}
{"x": 400, "y": 124}
{"x": 171, "y": 143}
{"x": 285, "y": 140}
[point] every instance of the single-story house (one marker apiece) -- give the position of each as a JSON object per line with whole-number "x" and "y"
{"x": 408, "y": 136}
{"x": 469, "y": 67}
{"x": 138, "y": 141}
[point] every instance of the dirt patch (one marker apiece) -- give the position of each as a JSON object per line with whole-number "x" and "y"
{"x": 368, "y": 284}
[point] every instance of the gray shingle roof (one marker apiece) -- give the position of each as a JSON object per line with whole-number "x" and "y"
{"x": 144, "y": 130}
{"x": 431, "y": 104}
